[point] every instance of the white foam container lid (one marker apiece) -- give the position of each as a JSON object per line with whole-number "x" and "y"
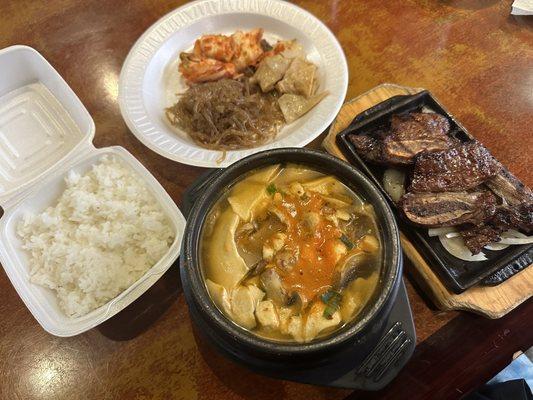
{"x": 46, "y": 131}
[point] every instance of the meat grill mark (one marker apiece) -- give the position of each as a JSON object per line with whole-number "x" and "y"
{"x": 442, "y": 207}
{"x": 448, "y": 209}
{"x": 460, "y": 168}
{"x": 408, "y": 136}
{"x": 414, "y": 133}
{"x": 510, "y": 189}
{"x": 369, "y": 147}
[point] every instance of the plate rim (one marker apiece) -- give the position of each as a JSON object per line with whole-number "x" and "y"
{"x": 233, "y": 6}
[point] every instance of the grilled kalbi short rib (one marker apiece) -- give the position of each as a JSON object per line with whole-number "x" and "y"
{"x": 460, "y": 168}
{"x": 516, "y": 212}
{"x": 510, "y": 189}
{"x": 415, "y": 133}
{"x": 370, "y": 147}
{"x": 448, "y": 208}
{"x": 450, "y": 179}
{"x": 517, "y": 217}
{"x": 410, "y": 134}
{"x": 514, "y": 217}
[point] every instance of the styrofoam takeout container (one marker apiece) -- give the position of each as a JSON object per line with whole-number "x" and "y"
{"x": 45, "y": 131}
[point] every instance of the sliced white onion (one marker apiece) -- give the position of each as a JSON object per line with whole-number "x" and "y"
{"x": 516, "y": 240}
{"x": 456, "y": 247}
{"x": 450, "y": 235}
{"x": 496, "y": 246}
{"x": 507, "y": 238}
{"x": 394, "y": 183}
{"x": 440, "y": 231}
{"x": 511, "y": 233}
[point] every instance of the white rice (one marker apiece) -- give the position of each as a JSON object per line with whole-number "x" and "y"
{"x": 105, "y": 232}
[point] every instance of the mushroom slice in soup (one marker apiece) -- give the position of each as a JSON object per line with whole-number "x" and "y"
{"x": 273, "y": 286}
{"x": 350, "y": 269}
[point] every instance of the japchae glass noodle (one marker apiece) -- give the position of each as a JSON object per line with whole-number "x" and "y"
{"x": 227, "y": 114}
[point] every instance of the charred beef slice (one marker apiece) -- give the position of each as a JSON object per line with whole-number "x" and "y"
{"x": 509, "y": 188}
{"x": 457, "y": 169}
{"x": 369, "y": 147}
{"x": 414, "y": 133}
{"x": 477, "y": 237}
{"x": 448, "y": 208}
{"x": 409, "y": 135}
{"x": 516, "y": 211}
{"x": 518, "y": 217}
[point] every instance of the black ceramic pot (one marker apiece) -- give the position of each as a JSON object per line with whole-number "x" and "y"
{"x": 355, "y": 340}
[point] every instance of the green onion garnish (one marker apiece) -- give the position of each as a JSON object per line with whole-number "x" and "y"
{"x": 347, "y": 241}
{"x": 332, "y": 300}
{"x": 271, "y": 189}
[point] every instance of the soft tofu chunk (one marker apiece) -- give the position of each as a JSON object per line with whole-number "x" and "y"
{"x": 339, "y": 250}
{"x": 339, "y": 201}
{"x": 268, "y": 252}
{"x": 325, "y": 185}
{"x": 369, "y": 244}
{"x": 284, "y": 315}
{"x": 220, "y": 296}
{"x": 349, "y": 306}
{"x": 243, "y": 303}
{"x": 224, "y": 263}
{"x": 343, "y": 215}
{"x": 248, "y": 195}
{"x": 317, "y": 323}
{"x": 267, "y": 315}
{"x": 294, "y": 328}
{"x": 297, "y": 189}
{"x": 333, "y": 218}
{"x": 311, "y": 220}
{"x": 278, "y": 241}
{"x": 257, "y": 294}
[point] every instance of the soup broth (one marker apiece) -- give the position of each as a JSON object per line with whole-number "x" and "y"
{"x": 291, "y": 254}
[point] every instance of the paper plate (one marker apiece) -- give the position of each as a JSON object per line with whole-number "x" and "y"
{"x": 149, "y": 80}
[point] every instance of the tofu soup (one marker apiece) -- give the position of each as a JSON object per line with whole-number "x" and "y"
{"x": 291, "y": 254}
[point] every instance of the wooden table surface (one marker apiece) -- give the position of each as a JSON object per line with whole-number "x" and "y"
{"x": 476, "y": 59}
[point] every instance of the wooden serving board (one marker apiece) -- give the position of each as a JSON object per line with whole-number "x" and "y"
{"x": 490, "y": 301}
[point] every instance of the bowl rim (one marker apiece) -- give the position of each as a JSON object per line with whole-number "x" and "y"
{"x": 191, "y": 274}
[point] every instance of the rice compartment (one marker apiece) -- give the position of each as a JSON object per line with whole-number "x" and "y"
{"x": 105, "y": 231}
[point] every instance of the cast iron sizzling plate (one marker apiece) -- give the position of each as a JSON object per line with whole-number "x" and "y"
{"x": 458, "y": 275}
